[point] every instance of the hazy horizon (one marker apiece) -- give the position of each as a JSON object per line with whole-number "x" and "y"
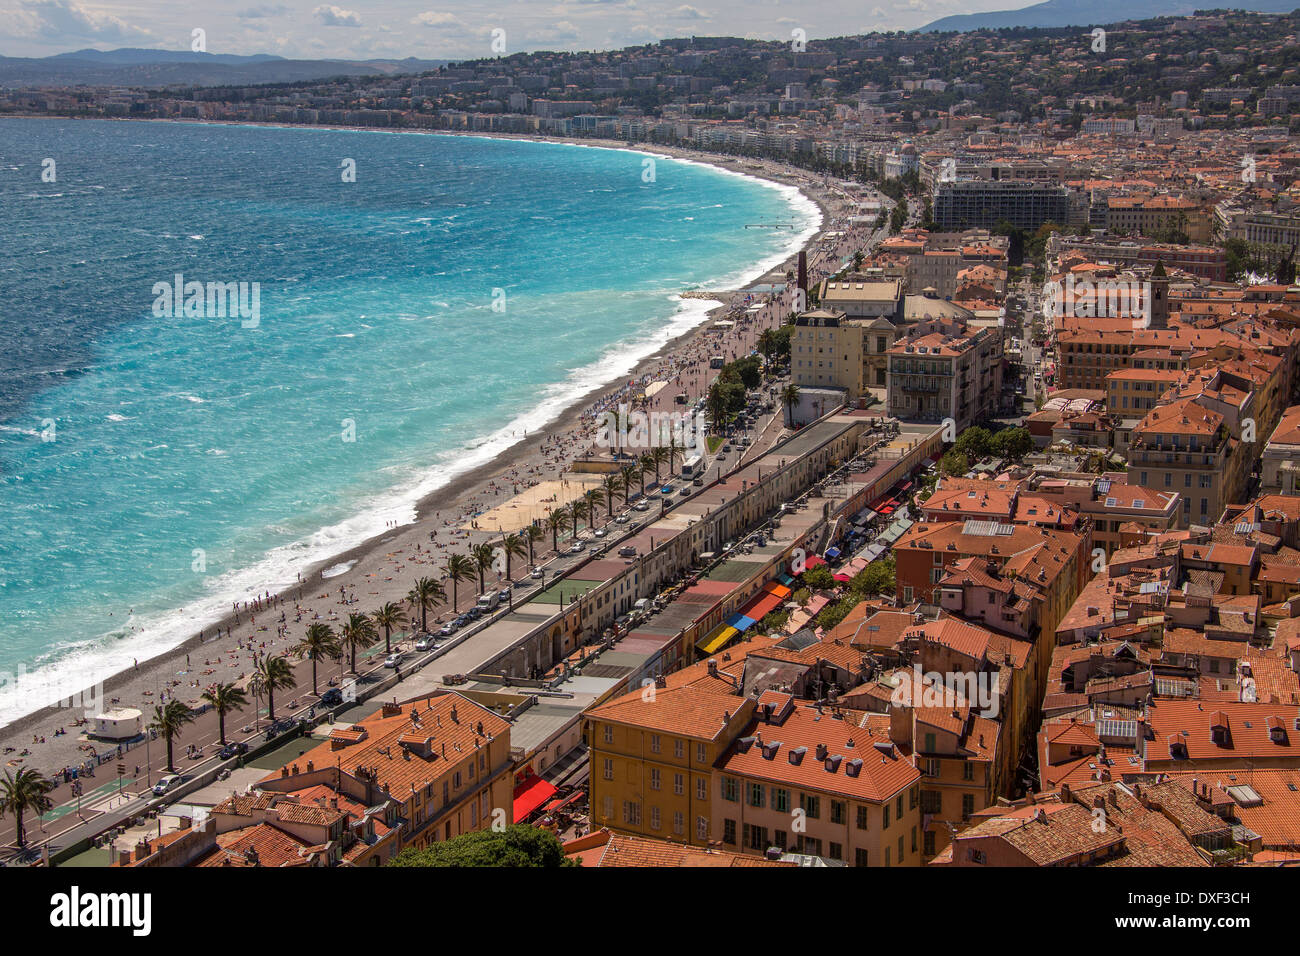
{"x": 441, "y": 29}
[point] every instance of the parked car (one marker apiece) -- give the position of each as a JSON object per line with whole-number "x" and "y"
{"x": 167, "y": 784}
{"x": 601, "y": 532}
{"x": 425, "y": 644}
{"x": 332, "y": 697}
{"x": 474, "y": 613}
{"x": 392, "y": 660}
{"x": 448, "y": 629}
{"x": 624, "y": 518}
{"x": 233, "y": 749}
{"x": 462, "y": 620}
{"x": 576, "y": 548}
{"x": 504, "y": 593}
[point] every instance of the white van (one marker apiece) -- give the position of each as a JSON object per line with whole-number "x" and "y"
{"x": 489, "y": 601}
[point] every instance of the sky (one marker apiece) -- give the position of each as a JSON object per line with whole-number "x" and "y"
{"x": 441, "y": 29}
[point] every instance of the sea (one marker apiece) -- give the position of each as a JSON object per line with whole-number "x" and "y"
{"x": 391, "y": 310}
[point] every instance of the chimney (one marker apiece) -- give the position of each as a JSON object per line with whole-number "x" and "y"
{"x": 141, "y": 850}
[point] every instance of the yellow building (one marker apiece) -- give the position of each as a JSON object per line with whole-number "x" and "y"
{"x": 652, "y": 753}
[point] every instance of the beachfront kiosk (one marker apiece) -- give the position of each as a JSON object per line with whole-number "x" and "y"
{"x": 121, "y": 724}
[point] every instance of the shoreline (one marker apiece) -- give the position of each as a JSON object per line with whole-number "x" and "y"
{"x": 462, "y": 492}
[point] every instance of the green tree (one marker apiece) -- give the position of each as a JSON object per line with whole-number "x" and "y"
{"x": 1013, "y": 443}
{"x": 484, "y": 555}
{"x": 954, "y": 463}
{"x": 425, "y": 593}
{"x": 391, "y": 615}
{"x": 21, "y": 792}
{"x": 974, "y": 442}
{"x": 460, "y": 568}
{"x": 270, "y": 675}
{"x": 790, "y": 398}
{"x": 515, "y": 846}
{"x": 358, "y": 633}
{"x": 169, "y": 719}
{"x": 820, "y": 578}
{"x": 514, "y": 547}
{"x": 320, "y": 641}
{"x": 223, "y": 698}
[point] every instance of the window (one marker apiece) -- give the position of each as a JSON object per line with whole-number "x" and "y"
{"x": 608, "y": 769}
{"x": 931, "y": 801}
{"x": 609, "y": 733}
{"x": 968, "y": 771}
{"x": 967, "y": 805}
{"x": 839, "y": 813}
{"x": 679, "y": 749}
{"x": 860, "y": 857}
{"x": 632, "y": 812}
{"x": 654, "y": 778}
{"x": 729, "y": 832}
{"x": 701, "y": 788}
{"x": 757, "y": 837}
{"x": 779, "y": 838}
{"x": 654, "y": 743}
{"x": 862, "y": 818}
{"x": 837, "y": 851}
{"x": 756, "y": 795}
{"x": 885, "y": 823}
{"x": 607, "y": 807}
{"x": 679, "y": 823}
{"x": 781, "y": 799}
{"x": 928, "y": 843}
{"x": 730, "y": 789}
{"x": 900, "y": 849}
{"x": 899, "y": 806}
{"x": 930, "y": 745}
{"x": 811, "y": 806}
{"x": 913, "y": 839}
{"x": 679, "y": 784}
{"x": 700, "y": 756}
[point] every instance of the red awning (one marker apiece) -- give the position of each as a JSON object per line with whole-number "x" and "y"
{"x": 813, "y": 561}
{"x": 559, "y": 803}
{"x": 842, "y": 578}
{"x": 530, "y": 795}
{"x": 764, "y": 605}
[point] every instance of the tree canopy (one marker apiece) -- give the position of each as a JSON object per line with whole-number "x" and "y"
{"x": 517, "y": 846}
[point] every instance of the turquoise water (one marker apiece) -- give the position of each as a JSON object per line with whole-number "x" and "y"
{"x": 155, "y": 468}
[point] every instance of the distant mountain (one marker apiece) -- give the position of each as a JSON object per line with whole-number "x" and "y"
{"x": 159, "y": 68}
{"x": 1082, "y": 13}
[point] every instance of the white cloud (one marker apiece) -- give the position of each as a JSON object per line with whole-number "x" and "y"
{"x": 332, "y": 16}
{"x": 687, "y": 12}
{"x": 64, "y": 20}
{"x": 432, "y": 18}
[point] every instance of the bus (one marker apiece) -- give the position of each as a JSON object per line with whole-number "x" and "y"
{"x": 717, "y": 361}
{"x": 691, "y": 468}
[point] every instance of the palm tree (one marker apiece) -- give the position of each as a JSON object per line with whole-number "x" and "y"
{"x": 514, "y": 547}
{"x": 272, "y": 674}
{"x": 459, "y": 568}
{"x": 628, "y": 475}
{"x": 594, "y": 498}
{"x": 391, "y": 615}
{"x": 612, "y": 485}
{"x": 767, "y": 345}
{"x": 28, "y": 790}
{"x": 660, "y": 456}
{"x": 224, "y": 698}
{"x": 790, "y": 398}
{"x": 320, "y": 641}
{"x": 358, "y": 632}
{"x": 675, "y": 451}
{"x": 577, "y": 511}
{"x": 718, "y": 406}
{"x": 645, "y": 466}
{"x": 483, "y": 556}
{"x": 425, "y": 593}
{"x": 556, "y": 520}
{"x": 533, "y": 533}
{"x": 169, "y": 720}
